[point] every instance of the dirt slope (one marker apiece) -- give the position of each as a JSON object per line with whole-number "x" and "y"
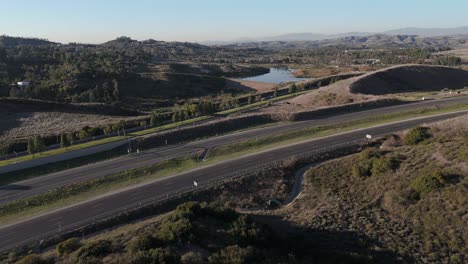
{"x": 381, "y": 84}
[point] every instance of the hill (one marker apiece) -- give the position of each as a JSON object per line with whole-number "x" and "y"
{"x": 8, "y": 41}
{"x": 429, "y": 32}
{"x": 412, "y": 198}
{"x": 309, "y": 36}
{"x": 366, "y": 41}
{"x": 410, "y": 78}
{"x": 381, "y": 84}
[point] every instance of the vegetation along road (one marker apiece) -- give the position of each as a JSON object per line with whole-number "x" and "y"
{"x": 38, "y": 185}
{"x": 84, "y": 213}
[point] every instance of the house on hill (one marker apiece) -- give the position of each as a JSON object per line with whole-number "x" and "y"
{"x": 23, "y": 84}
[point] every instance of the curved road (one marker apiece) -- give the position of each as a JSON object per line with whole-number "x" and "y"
{"x": 45, "y": 183}
{"x": 37, "y": 228}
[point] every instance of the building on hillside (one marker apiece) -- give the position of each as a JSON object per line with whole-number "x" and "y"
{"x": 23, "y": 84}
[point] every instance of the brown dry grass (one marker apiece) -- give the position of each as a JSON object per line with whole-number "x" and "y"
{"x": 392, "y": 82}
{"x": 430, "y": 228}
{"x": 331, "y": 95}
{"x": 306, "y": 71}
{"x": 462, "y": 53}
{"x": 14, "y": 126}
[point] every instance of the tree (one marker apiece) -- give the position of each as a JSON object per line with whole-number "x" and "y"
{"x": 122, "y": 126}
{"x": 64, "y": 143}
{"x": 416, "y": 135}
{"x": 154, "y": 119}
{"x": 39, "y": 144}
{"x": 116, "y": 91}
{"x": 31, "y": 148}
{"x": 175, "y": 117}
{"x": 292, "y": 88}
{"x": 143, "y": 123}
{"x": 250, "y": 99}
{"x": 71, "y": 138}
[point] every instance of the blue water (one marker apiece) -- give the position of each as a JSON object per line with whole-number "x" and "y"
{"x": 276, "y": 75}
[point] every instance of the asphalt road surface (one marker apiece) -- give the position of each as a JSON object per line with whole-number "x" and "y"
{"x": 37, "y": 228}
{"x": 42, "y": 184}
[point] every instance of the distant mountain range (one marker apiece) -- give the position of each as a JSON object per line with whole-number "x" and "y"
{"x": 423, "y": 32}
{"x": 367, "y": 41}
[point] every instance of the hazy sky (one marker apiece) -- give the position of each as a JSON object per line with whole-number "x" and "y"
{"x": 96, "y": 21}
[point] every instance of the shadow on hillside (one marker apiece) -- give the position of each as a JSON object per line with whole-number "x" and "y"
{"x": 19, "y": 105}
{"x": 326, "y": 246}
{"x": 9, "y": 120}
{"x": 238, "y": 85}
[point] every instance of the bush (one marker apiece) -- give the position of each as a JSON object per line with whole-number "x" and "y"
{"x": 427, "y": 183}
{"x": 382, "y": 165}
{"x": 179, "y": 230}
{"x": 152, "y": 256}
{"x": 68, "y": 246}
{"x": 233, "y": 255}
{"x": 142, "y": 243}
{"x": 192, "y": 258}
{"x": 372, "y": 163}
{"x": 91, "y": 250}
{"x": 362, "y": 169}
{"x": 35, "y": 259}
{"x": 416, "y": 135}
{"x": 247, "y": 232}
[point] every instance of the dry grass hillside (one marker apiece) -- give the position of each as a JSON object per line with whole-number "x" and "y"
{"x": 381, "y": 84}
{"x": 21, "y": 119}
{"x": 410, "y": 196}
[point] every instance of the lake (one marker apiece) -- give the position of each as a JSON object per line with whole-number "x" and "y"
{"x": 276, "y": 75}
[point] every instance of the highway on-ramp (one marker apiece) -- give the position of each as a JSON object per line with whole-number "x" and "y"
{"x": 42, "y": 184}
{"x": 33, "y": 229}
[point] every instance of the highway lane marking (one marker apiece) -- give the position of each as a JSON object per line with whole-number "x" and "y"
{"x": 99, "y": 209}
{"x": 6, "y": 240}
{"x": 97, "y": 205}
{"x": 55, "y": 219}
{"x": 136, "y": 198}
{"x": 9, "y": 234}
{"x": 168, "y": 183}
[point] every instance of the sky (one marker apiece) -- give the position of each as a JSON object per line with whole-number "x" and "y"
{"x": 96, "y": 21}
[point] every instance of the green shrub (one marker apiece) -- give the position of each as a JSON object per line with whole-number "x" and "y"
{"x": 179, "y": 230}
{"x": 463, "y": 155}
{"x": 372, "y": 163}
{"x": 416, "y": 135}
{"x": 152, "y": 256}
{"x": 427, "y": 183}
{"x": 142, "y": 243}
{"x": 245, "y": 231}
{"x": 233, "y": 255}
{"x": 35, "y": 259}
{"x": 68, "y": 246}
{"x": 192, "y": 258}
{"x": 363, "y": 168}
{"x": 95, "y": 249}
{"x": 382, "y": 165}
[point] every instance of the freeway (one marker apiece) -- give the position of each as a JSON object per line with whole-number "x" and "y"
{"x": 42, "y": 184}
{"x": 46, "y": 225}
